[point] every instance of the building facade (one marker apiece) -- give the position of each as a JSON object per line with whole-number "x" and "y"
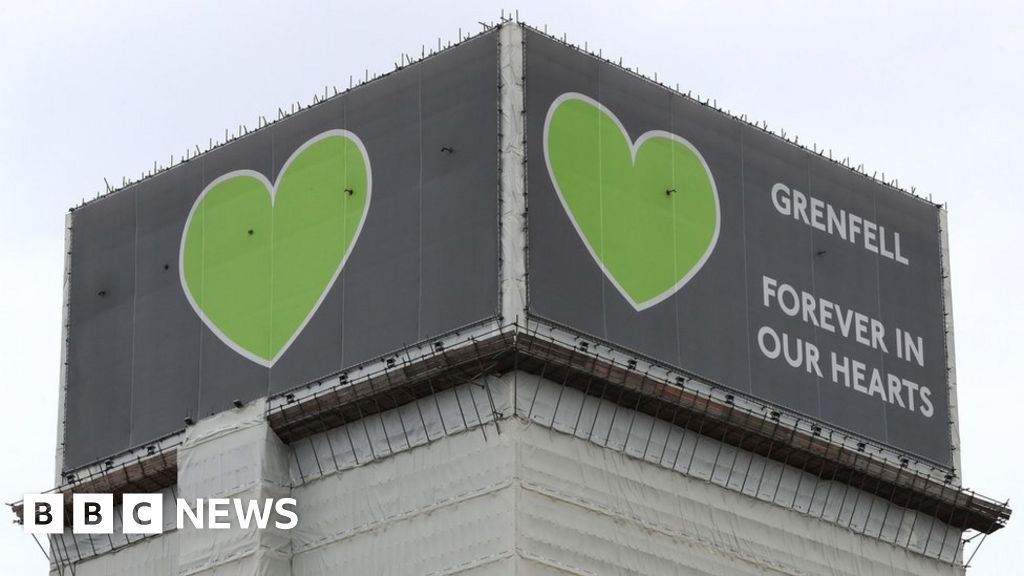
{"x": 514, "y": 309}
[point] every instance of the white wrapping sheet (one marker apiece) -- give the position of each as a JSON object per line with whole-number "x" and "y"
{"x": 609, "y": 499}
{"x": 513, "y": 175}
{"x": 233, "y": 454}
{"x": 573, "y": 485}
{"x": 639, "y": 435}
{"x": 415, "y": 424}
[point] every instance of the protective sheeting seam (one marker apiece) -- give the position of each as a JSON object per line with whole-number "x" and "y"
{"x": 369, "y": 526}
{"x": 727, "y": 552}
{"x": 554, "y": 563}
{"x": 473, "y": 564}
{"x": 231, "y": 558}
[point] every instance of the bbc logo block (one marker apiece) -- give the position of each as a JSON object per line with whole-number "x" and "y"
{"x": 91, "y": 513}
{"x": 95, "y": 513}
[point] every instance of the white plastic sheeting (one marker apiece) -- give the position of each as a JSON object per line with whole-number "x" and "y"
{"x": 154, "y": 556}
{"x": 607, "y": 499}
{"x": 668, "y": 446}
{"x": 589, "y": 510}
{"x": 513, "y": 174}
{"x": 443, "y": 503}
{"x": 571, "y": 485}
{"x": 233, "y": 454}
{"x": 418, "y": 423}
{"x": 439, "y": 509}
{"x": 58, "y": 463}
{"x": 947, "y": 305}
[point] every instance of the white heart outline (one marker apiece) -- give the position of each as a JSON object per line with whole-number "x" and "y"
{"x": 634, "y": 146}
{"x": 272, "y": 190}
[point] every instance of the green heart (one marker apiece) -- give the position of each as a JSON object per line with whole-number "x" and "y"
{"x": 257, "y": 259}
{"x": 646, "y": 210}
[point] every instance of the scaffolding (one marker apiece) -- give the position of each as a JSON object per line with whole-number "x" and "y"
{"x": 595, "y": 391}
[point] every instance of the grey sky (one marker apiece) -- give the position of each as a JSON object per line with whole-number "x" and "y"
{"x": 928, "y": 92}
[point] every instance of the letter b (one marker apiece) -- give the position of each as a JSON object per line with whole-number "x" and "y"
{"x": 93, "y": 513}
{"x": 43, "y": 513}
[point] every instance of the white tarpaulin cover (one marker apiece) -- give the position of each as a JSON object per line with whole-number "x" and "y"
{"x": 589, "y": 504}
{"x": 520, "y": 495}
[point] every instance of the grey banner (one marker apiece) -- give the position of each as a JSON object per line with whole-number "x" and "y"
{"x": 140, "y": 359}
{"x": 806, "y": 265}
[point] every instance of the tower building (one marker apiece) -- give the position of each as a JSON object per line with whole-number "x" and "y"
{"x": 514, "y": 309}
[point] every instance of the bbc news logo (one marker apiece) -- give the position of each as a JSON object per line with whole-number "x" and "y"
{"x": 144, "y": 513}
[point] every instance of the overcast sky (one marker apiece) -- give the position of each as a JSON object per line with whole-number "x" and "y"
{"x": 928, "y": 92}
